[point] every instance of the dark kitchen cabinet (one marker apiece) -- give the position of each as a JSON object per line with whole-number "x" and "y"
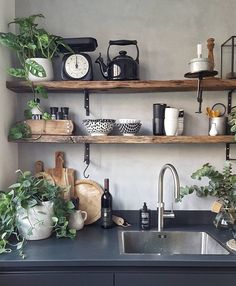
{"x": 56, "y": 278}
{"x": 181, "y": 278}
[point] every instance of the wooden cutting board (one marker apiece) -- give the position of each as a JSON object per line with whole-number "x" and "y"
{"x": 39, "y": 172}
{"x": 63, "y": 177}
{"x": 89, "y": 194}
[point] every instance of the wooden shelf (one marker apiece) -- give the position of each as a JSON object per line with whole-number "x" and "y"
{"x": 129, "y": 139}
{"x": 209, "y": 84}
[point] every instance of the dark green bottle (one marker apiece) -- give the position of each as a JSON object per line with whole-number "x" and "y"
{"x": 106, "y": 206}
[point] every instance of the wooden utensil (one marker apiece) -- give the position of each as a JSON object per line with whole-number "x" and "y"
{"x": 89, "y": 194}
{"x": 63, "y": 177}
{"x": 39, "y": 172}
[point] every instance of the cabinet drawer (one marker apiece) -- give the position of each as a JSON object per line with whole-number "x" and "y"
{"x": 177, "y": 279}
{"x": 56, "y": 278}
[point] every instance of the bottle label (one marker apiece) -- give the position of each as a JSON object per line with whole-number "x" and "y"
{"x": 106, "y": 217}
{"x": 145, "y": 220}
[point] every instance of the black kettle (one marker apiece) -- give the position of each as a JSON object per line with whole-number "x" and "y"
{"x": 122, "y": 67}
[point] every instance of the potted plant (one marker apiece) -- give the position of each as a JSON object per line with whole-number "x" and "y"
{"x": 35, "y": 48}
{"x": 32, "y": 210}
{"x": 221, "y": 185}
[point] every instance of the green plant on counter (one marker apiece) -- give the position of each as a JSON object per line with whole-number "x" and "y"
{"x": 26, "y": 193}
{"x": 31, "y": 42}
{"x": 221, "y": 185}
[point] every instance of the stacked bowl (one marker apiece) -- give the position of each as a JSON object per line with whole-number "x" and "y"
{"x": 129, "y": 127}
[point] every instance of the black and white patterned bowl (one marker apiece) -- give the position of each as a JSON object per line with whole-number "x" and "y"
{"x": 98, "y": 127}
{"x": 129, "y": 129}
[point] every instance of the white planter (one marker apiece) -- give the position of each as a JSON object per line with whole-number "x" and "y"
{"x": 35, "y": 223}
{"x": 47, "y": 65}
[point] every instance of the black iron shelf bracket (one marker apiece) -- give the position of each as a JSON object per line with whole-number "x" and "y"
{"x": 227, "y": 152}
{"x": 86, "y": 102}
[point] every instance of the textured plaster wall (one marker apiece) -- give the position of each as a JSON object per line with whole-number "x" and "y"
{"x": 8, "y": 152}
{"x": 167, "y": 32}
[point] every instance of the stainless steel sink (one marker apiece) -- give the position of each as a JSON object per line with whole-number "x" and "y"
{"x": 169, "y": 243}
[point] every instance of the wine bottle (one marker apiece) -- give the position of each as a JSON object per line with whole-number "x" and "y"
{"x": 106, "y": 206}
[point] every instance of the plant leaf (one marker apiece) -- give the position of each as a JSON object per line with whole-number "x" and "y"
{"x": 34, "y": 68}
{"x": 17, "y": 72}
{"x": 10, "y": 40}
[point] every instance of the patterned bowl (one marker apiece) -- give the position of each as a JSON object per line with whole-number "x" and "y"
{"x": 129, "y": 129}
{"x": 99, "y": 127}
{"x": 128, "y": 121}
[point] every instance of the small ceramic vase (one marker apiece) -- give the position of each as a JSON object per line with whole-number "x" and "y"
{"x": 77, "y": 219}
{"x": 213, "y": 130}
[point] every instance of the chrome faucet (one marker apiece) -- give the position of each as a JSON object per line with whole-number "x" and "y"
{"x": 161, "y": 210}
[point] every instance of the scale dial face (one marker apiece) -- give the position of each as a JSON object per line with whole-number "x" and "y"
{"x": 76, "y": 66}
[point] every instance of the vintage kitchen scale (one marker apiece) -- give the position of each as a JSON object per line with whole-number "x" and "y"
{"x": 77, "y": 65}
{"x": 202, "y": 67}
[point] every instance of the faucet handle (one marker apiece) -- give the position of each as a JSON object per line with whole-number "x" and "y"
{"x": 169, "y": 214}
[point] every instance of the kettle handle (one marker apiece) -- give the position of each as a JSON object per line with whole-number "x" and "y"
{"x": 122, "y": 43}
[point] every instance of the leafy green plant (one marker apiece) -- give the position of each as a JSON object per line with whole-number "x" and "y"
{"x": 221, "y": 184}
{"x": 20, "y": 130}
{"x": 232, "y": 121}
{"x": 28, "y": 192}
{"x": 31, "y": 42}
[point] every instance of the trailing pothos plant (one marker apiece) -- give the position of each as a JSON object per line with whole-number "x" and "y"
{"x": 30, "y": 42}
{"x": 28, "y": 192}
{"x": 221, "y": 185}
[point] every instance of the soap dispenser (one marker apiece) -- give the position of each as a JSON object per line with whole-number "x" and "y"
{"x": 144, "y": 217}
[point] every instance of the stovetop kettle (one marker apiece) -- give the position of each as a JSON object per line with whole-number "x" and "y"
{"x": 121, "y": 67}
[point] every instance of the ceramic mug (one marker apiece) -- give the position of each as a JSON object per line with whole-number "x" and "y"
{"x": 171, "y": 126}
{"x": 171, "y": 113}
{"x": 77, "y": 219}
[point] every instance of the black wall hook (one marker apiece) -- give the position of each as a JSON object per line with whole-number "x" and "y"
{"x": 86, "y": 159}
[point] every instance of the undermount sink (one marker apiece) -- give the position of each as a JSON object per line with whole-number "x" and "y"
{"x": 169, "y": 243}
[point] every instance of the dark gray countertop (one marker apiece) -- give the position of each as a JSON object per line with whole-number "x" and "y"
{"x": 97, "y": 247}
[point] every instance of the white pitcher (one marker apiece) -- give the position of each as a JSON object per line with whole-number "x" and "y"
{"x": 77, "y": 219}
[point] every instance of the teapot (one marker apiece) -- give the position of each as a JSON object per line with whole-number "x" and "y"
{"x": 121, "y": 67}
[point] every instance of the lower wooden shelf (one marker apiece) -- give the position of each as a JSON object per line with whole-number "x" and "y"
{"x": 203, "y": 139}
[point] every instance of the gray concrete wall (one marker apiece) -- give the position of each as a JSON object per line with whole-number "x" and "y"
{"x": 8, "y": 152}
{"x": 167, "y": 32}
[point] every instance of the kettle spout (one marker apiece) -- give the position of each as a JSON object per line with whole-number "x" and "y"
{"x": 103, "y": 67}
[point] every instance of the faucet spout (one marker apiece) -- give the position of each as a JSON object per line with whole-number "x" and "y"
{"x": 161, "y": 205}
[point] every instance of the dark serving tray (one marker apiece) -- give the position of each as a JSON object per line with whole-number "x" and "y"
{"x": 86, "y": 44}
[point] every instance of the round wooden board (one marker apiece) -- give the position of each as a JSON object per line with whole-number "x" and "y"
{"x": 89, "y": 194}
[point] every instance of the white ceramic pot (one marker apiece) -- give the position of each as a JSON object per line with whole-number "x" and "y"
{"x": 77, "y": 219}
{"x": 35, "y": 223}
{"x": 47, "y": 65}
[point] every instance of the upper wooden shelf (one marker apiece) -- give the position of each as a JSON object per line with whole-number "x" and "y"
{"x": 128, "y": 139}
{"x": 211, "y": 84}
